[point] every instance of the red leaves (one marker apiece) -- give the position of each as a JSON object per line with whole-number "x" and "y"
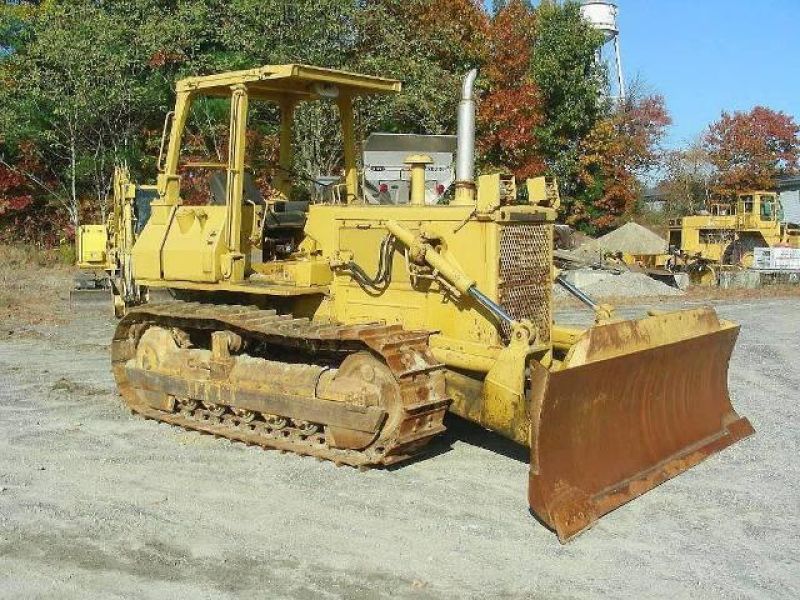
{"x": 18, "y": 203}
{"x": 511, "y": 111}
{"x": 162, "y": 58}
{"x": 511, "y": 37}
{"x": 508, "y": 119}
{"x": 24, "y": 214}
{"x": 750, "y": 149}
{"x": 16, "y": 191}
{"x": 10, "y": 181}
{"x": 640, "y": 127}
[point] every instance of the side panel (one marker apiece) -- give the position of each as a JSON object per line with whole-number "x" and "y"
{"x": 184, "y": 243}
{"x": 507, "y": 253}
{"x": 90, "y": 246}
{"x": 708, "y": 236}
{"x": 423, "y": 304}
{"x": 355, "y": 233}
{"x": 194, "y": 244}
{"x": 147, "y": 249}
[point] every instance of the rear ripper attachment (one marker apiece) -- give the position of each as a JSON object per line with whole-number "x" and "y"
{"x": 365, "y": 395}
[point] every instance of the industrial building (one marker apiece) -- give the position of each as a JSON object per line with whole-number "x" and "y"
{"x": 789, "y": 188}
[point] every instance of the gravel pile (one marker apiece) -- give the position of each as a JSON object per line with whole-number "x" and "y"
{"x": 626, "y": 284}
{"x": 631, "y": 238}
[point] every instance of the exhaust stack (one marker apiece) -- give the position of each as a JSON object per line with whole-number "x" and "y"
{"x": 465, "y": 157}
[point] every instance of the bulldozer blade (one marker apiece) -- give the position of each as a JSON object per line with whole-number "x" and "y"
{"x": 663, "y": 276}
{"x": 638, "y": 403}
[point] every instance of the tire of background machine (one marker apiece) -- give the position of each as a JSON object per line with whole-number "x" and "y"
{"x": 748, "y": 250}
{"x": 119, "y": 306}
{"x": 731, "y": 253}
{"x": 703, "y": 275}
{"x": 708, "y": 276}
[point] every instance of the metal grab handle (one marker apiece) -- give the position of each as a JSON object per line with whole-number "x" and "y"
{"x": 167, "y": 124}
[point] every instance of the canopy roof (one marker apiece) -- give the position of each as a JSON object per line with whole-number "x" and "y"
{"x": 300, "y": 82}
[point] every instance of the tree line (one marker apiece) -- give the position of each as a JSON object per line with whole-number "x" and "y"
{"x": 84, "y": 85}
{"x": 742, "y": 151}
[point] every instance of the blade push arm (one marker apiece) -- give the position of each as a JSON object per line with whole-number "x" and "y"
{"x": 603, "y": 312}
{"x": 422, "y": 250}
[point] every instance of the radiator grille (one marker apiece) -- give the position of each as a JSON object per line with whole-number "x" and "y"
{"x": 525, "y": 277}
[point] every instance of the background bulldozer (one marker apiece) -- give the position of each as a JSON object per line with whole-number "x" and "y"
{"x": 93, "y": 257}
{"x": 726, "y": 235}
{"x": 103, "y": 251}
{"x": 345, "y": 330}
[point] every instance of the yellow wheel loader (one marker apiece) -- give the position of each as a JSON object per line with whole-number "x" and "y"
{"x": 726, "y": 235}
{"x": 345, "y": 330}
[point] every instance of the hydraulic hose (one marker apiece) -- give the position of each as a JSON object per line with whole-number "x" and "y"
{"x": 383, "y": 277}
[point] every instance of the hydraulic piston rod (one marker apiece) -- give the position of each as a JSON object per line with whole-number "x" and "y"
{"x": 492, "y": 307}
{"x": 579, "y": 294}
{"x": 462, "y": 282}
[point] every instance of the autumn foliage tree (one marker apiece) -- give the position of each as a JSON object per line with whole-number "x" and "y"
{"x": 511, "y": 109}
{"x": 571, "y": 81}
{"x": 749, "y": 150}
{"x": 428, "y": 45}
{"x": 453, "y": 31}
{"x": 25, "y": 190}
{"x": 15, "y": 192}
{"x": 686, "y": 186}
{"x": 619, "y": 150}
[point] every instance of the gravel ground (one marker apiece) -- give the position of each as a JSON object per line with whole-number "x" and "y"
{"x": 97, "y": 503}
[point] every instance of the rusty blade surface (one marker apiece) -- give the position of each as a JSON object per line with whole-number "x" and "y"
{"x": 605, "y": 432}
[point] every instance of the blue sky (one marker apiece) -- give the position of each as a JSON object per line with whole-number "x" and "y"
{"x": 706, "y": 56}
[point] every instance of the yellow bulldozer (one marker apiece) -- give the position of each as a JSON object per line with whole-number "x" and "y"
{"x": 726, "y": 234}
{"x": 345, "y": 330}
{"x": 103, "y": 251}
{"x": 92, "y": 257}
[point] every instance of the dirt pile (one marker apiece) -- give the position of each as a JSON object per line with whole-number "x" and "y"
{"x": 567, "y": 238}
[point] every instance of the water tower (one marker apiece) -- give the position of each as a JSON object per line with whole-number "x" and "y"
{"x": 602, "y": 15}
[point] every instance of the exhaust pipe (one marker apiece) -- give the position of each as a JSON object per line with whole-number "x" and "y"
{"x": 465, "y": 157}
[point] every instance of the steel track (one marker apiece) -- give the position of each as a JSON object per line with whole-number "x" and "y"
{"x": 419, "y": 376}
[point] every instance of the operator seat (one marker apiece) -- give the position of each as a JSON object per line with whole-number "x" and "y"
{"x": 283, "y": 223}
